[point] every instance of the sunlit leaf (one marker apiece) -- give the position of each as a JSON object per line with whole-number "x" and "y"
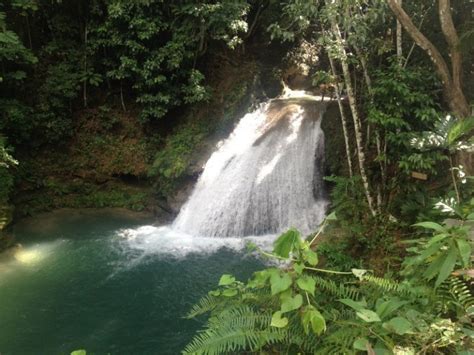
{"x": 279, "y": 283}
{"x": 279, "y": 321}
{"x": 226, "y": 279}
{"x": 306, "y": 283}
{"x": 286, "y": 243}
{"x": 291, "y": 303}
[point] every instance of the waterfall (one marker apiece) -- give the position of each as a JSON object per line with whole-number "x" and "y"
{"x": 265, "y": 178}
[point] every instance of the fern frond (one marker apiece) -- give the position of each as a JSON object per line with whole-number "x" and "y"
{"x": 339, "y": 340}
{"x": 206, "y": 304}
{"x": 225, "y": 341}
{"x": 235, "y": 330}
{"x": 340, "y": 314}
{"x": 454, "y": 294}
{"x": 388, "y": 285}
{"x": 338, "y": 290}
{"x": 241, "y": 317}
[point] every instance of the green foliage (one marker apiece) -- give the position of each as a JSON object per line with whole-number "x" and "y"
{"x": 304, "y": 309}
{"x": 447, "y": 249}
{"x": 403, "y": 107}
{"x": 154, "y": 46}
{"x": 51, "y": 194}
{"x": 447, "y": 135}
{"x": 364, "y": 232}
{"x": 335, "y": 255}
{"x": 6, "y": 177}
{"x": 172, "y": 161}
{"x": 15, "y": 60}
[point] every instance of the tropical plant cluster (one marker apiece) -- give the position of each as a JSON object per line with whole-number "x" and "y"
{"x": 401, "y": 280}
{"x": 300, "y": 308}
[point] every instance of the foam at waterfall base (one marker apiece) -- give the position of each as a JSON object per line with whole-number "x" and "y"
{"x": 164, "y": 240}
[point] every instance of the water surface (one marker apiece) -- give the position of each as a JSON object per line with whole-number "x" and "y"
{"x": 106, "y": 283}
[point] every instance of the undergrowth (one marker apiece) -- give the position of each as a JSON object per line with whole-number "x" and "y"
{"x": 424, "y": 307}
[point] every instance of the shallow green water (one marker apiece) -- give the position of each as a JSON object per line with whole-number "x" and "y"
{"x": 80, "y": 281}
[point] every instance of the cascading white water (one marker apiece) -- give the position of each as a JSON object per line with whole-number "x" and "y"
{"x": 265, "y": 178}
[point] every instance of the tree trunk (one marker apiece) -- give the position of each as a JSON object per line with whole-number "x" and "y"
{"x": 355, "y": 115}
{"x": 84, "y": 91}
{"x": 368, "y": 82}
{"x": 399, "y": 39}
{"x": 451, "y": 82}
{"x": 343, "y": 117}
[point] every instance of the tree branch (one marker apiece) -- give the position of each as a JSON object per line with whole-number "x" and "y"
{"x": 451, "y": 36}
{"x": 422, "y": 41}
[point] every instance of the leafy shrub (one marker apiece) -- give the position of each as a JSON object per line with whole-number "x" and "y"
{"x": 153, "y": 47}
{"x": 6, "y": 177}
{"x": 300, "y": 308}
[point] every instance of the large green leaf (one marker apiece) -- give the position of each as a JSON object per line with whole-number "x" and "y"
{"x": 298, "y": 267}
{"x": 226, "y": 279}
{"x": 360, "y": 344}
{"x": 260, "y": 278}
{"x": 353, "y": 304}
{"x": 437, "y": 238}
{"x": 279, "y": 321}
{"x": 385, "y": 308}
{"x": 433, "y": 248}
{"x": 434, "y": 267}
{"x": 286, "y": 243}
{"x": 279, "y": 283}
{"x": 230, "y": 292}
{"x": 459, "y": 129}
{"x": 291, "y": 303}
{"x": 306, "y": 283}
{"x": 464, "y": 250}
{"x": 431, "y": 225}
{"x": 314, "y": 320}
{"x": 368, "y": 316}
{"x": 398, "y": 325}
{"x": 311, "y": 257}
{"x": 448, "y": 266}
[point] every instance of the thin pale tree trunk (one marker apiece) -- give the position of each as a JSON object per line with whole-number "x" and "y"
{"x": 399, "y": 39}
{"x": 343, "y": 117}
{"x": 84, "y": 92}
{"x": 368, "y": 82}
{"x": 355, "y": 115}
